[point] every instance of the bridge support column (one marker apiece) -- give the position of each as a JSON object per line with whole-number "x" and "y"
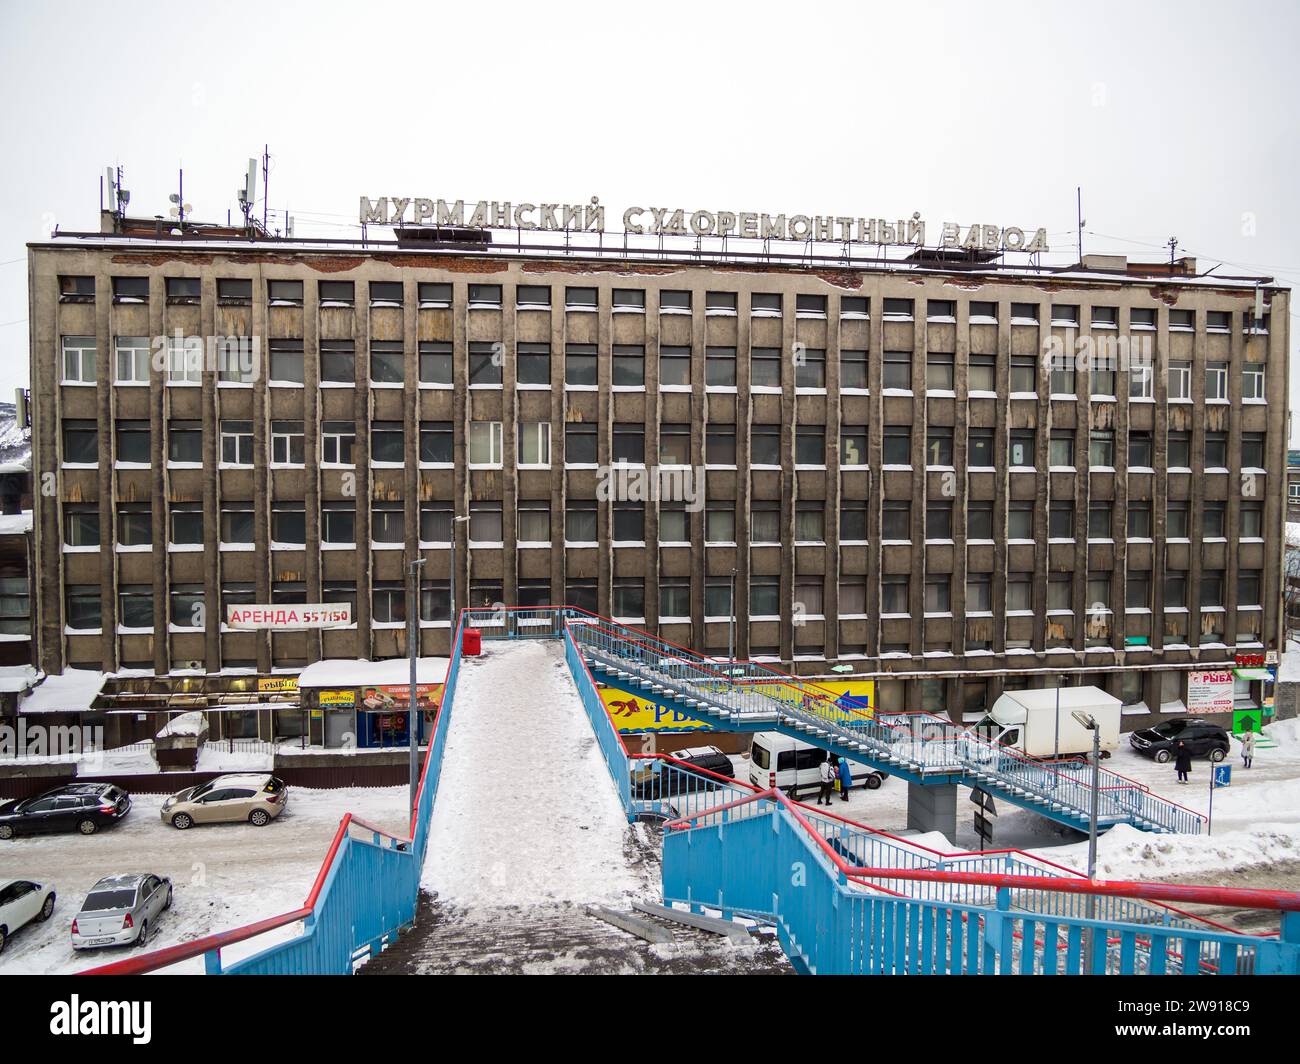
{"x": 933, "y": 808}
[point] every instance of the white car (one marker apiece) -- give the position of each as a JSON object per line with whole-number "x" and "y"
{"x": 21, "y": 902}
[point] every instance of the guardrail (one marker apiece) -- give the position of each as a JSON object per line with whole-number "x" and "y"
{"x": 364, "y": 894}
{"x": 739, "y": 857}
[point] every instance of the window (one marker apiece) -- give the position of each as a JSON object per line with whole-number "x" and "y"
{"x": 338, "y": 522}
{"x": 853, "y": 370}
{"x": 720, "y": 302}
{"x": 338, "y": 362}
{"x": 436, "y": 442}
{"x": 675, "y": 301}
{"x": 579, "y": 444}
{"x": 486, "y": 360}
{"x": 810, "y": 368}
{"x": 1175, "y": 589}
{"x": 629, "y": 443}
{"x": 485, "y": 522}
{"x": 385, "y": 293}
{"x": 130, "y": 289}
{"x": 810, "y": 306}
{"x": 284, "y": 293}
{"x": 1250, "y": 520}
{"x": 1065, "y": 314}
{"x": 1140, "y": 380}
{"x": 1180, "y": 381}
{"x": 81, "y": 607}
{"x": 1248, "y": 588}
{"x": 1102, "y": 377}
{"x": 186, "y": 523}
{"x": 979, "y": 521}
{"x": 1180, "y": 450}
{"x": 1021, "y": 447}
{"x": 435, "y": 363}
{"x": 236, "y": 359}
{"x": 1216, "y": 450}
{"x": 234, "y": 291}
{"x": 855, "y": 307}
{"x": 287, "y": 442}
{"x": 236, "y": 522}
{"x": 1176, "y": 519}
{"x": 979, "y": 444}
{"x": 1216, "y": 382}
{"x": 765, "y": 521}
{"x": 898, "y": 370}
{"x": 388, "y": 522}
{"x": 1101, "y": 448}
{"x": 894, "y": 594}
{"x": 387, "y": 362}
{"x": 388, "y": 602}
{"x": 73, "y": 289}
{"x": 1020, "y": 519}
{"x": 1024, "y": 374}
{"x": 1024, "y": 313}
{"x": 1212, "y": 521}
{"x": 939, "y": 371}
{"x": 982, "y": 373}
{"x": 627, "y": 367}
{"x": 940, "y": 310}
{"x": 765, "y": 596}
{"x": 898, "y": 309}
{"x": 720, "y": 445}
{"x": 186, "y": 606}
{"x": 534, "y": 521}
{"x": 1139, "y": 520}
{"x": 896, "y": 523}
{"x": 765, "y": 303}
{"x": 1061, "y": 519}
{"x": 484, "y": 295}
{"x": 132, "y": 359}
{"x": 185, "y": 442}
{"x": 435, "y": 522}
{"x": 286, "y": 361}
{"x": 720, "y": 522}
{"x": 897, "y": 445}
{"x": 1098, "y": 592}
{"x": 79, "y": 360}
{"x": 1062, "y": 381}
{"x": 534, "y": 443}
{"x": 853, "y": 599}
{"x": 938, "y": 446}
{"x": 580, "y": 365}
{"x": 133, "y": 442}
{"x": 810, "y": 445}
{"x": 533, "y": 364}
{"x": 938, "y": 520}
{"x": 184, "y": 359}
{"x": 337, "y": 440}
{"x": 1139, "y": 449}
{"x": 433, "y": 295}
{"x": 1219, "y": 321}
{"x": 580, "y": 298}
{"x": 853, "y": 445}
{"x": 1105, "y": 317}
{"x": 938, "y": 594}
{"x": 1060, "y": 593}
{"x": 674, "y": 526}
{"x": 720, "y": 367}
{"x": 1099, "y": 518}
{"x": 1137, "y": 590}
{"x": 288, "y": 523}
{"x": 675, "y": 443}
{"x": 629, "y": 597}
{"x": 237, "y": 443}
{"x": 388, "y": 442}
{"x": 675, "y": 367}
{"x": 485, "y": 443}
{"x": 1061, "y": 448}
{"x": 808, "y": 596}
{"x": 580, "y": 521}
{"x": 533, "y": 295}
{"x": 983, "y": 311}
{"x": 1020, "y": 593}
{"x": 1252, "y": 450}
{"x": 338, "y": 293}
{"x": 1212, "y": 588}
{"x": 765, "y": 445}
{"x": 81, "y": 526}
{"x": 629, "y": 300}
{"x": 979, "y": 593}
{"x": 810, "y": 522}
{"x": 1252, "y": 382}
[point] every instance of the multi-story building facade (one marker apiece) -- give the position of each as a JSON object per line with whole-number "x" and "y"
{"x": 890, "y": 469}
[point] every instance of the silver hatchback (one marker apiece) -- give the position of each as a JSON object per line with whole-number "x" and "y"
{"x": 121, "y": 910}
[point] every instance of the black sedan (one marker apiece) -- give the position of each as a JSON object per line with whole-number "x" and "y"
{"x": 80, "y": 807}
{"x": 658, "y": 779}
{"x": 1202, "y": 739}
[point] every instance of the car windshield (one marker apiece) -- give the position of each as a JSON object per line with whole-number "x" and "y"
{"x": 199, "y": 791}
{"x": 108, "y": 899}
{"x": 759, "y": 755}
{"x": 1168, "y": 728}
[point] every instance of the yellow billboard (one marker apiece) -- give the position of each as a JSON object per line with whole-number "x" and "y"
{"x": 637, "y": 713}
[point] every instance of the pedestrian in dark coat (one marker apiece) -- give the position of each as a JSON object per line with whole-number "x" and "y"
{"x": 826, "y": 774}
{"x": 1183, "y": 762}
{"x": 846, "y": 779}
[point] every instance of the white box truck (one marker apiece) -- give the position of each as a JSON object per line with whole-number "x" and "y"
{"x": 1027, "y": 721}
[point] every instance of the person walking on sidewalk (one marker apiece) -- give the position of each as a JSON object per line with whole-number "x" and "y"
{"x": 1248, "y": 744}
{"x": 1183, "y": 762}
{"x": 827, "y": 775}
{"x": 846, "y": 779}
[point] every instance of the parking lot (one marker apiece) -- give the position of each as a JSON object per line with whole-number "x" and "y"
{"x": 224, "y": 875}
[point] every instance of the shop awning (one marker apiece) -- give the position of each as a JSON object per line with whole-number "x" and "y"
{"x": 1252, "y": 674}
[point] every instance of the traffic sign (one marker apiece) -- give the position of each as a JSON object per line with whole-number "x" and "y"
{"x": 1223, "y": 775}
{"x": 983, "y": 827}
{"x": 984, "y": 800}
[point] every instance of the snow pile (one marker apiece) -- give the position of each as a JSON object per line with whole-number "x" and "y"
{"x": 526, "y": 812}
{"x": 72, "y": 691}
{"x": 343, "y": 672}
{"x": 18, "y": 524}
{"x": 1286, "y": 734}
{"x": 186, "y": 724}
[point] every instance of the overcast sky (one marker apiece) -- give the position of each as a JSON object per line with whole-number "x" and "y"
{"x": 1177, "y": 119}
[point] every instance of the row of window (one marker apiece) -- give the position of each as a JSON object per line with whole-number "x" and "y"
{"x": 133, "y": 444}
{"x": 185, "y": 359}
{"x": 134, "y": 522}
{"x": 239, "y": 291}
{"x": 388, "y": 602}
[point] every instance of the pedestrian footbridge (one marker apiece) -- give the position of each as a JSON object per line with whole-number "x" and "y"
{"x": 841, "y": 897}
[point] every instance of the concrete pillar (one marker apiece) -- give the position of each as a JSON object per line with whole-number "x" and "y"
{"x": 932, "y": 808}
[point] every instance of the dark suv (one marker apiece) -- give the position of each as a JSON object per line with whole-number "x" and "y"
{"x": 1203, "y": 739}
{"x": 81, "y": 807}
{"x": 658, "y": 779}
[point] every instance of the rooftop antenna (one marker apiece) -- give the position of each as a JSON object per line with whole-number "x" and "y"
{"x": 248, "y": 194}
{"x": 1173, "y": 248}
{"x": 118, "y": 197}
{"x": 266, "y": 180}
{"x": 179, "y": 206}
{"x": 1078, "y": 203}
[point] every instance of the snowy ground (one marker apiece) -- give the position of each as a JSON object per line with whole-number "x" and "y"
{"x": 224, "y": 875}
{"x": 526, "y": 810}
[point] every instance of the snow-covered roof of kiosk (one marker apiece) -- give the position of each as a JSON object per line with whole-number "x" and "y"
{"x": 357, "y": 672}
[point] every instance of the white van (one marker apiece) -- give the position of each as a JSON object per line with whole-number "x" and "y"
{"x": 779, "y": 760}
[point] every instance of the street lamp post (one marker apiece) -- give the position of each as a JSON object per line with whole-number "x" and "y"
{"x": 451, "y": 584}
{"x": 1090, "y": 722}
{"x": 731, "y": 629}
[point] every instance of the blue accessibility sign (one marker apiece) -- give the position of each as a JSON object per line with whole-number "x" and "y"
{"x": 1223, "y": 775}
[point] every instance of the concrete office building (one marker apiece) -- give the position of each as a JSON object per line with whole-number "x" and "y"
{"x": 900, "y": 480}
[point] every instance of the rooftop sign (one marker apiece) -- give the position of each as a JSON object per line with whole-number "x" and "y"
{"x": 665, "y": 221}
